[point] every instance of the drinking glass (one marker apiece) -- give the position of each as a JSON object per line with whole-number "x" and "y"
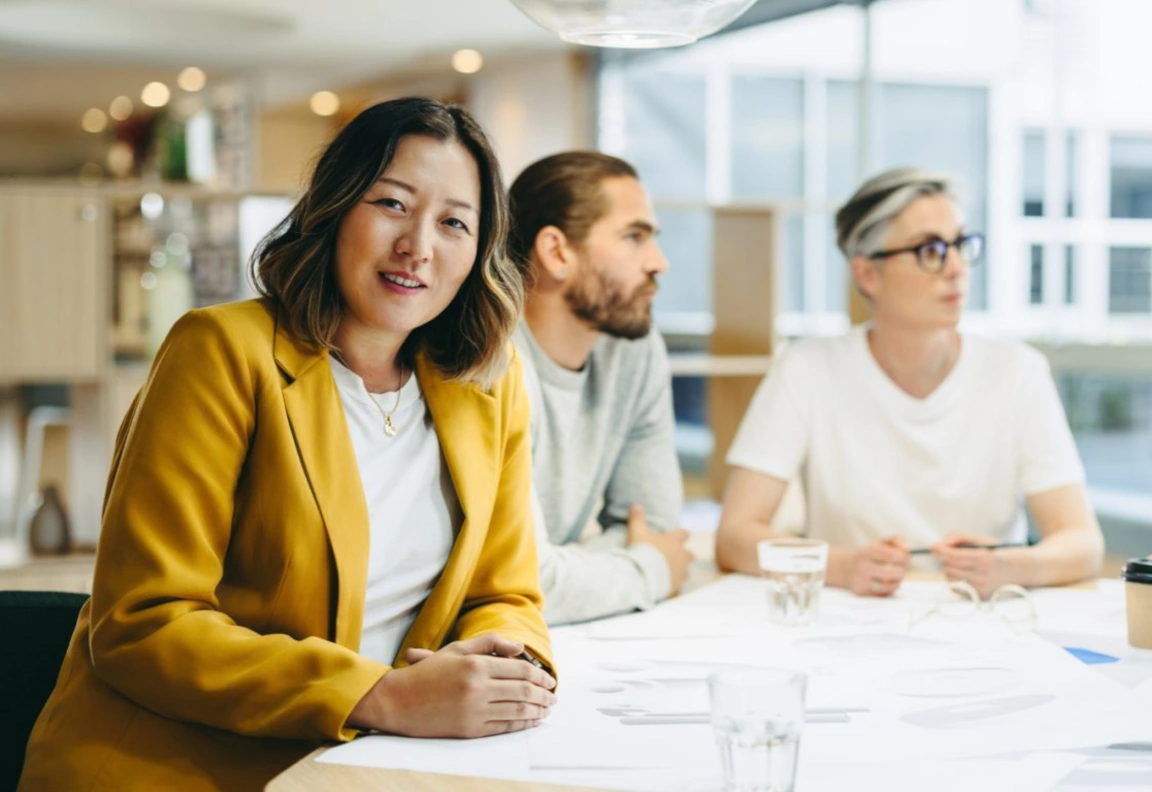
{"x": 794, "y": 569}
{"x": 757, "y": 715}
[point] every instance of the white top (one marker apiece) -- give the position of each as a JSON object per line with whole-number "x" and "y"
{"x": 413, "y": 512}
{"x": 876, "y": 461}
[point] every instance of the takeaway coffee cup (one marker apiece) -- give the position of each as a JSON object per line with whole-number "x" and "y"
{"x": 1138, "y": 589}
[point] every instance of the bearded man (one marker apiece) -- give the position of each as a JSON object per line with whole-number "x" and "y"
{"x": 607, "y": 481}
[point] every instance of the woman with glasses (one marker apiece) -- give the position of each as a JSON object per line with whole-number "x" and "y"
{"x": 908, "y": 434}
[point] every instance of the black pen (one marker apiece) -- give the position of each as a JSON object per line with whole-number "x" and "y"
{"x": 526, "y": 657}
{"x": 969, "y": 546}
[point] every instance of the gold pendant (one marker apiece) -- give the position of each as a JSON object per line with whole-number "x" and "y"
{"x": 389, "y": 427}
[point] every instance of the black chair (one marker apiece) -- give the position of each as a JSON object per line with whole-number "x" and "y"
{"x": 36, "y": 627}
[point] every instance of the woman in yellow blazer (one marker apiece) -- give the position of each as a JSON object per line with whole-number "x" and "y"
{"x": 220, "y": 643}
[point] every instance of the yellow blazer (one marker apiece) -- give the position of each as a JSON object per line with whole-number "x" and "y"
{"x": 220, "y": 642}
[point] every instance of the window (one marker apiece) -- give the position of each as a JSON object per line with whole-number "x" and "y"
{"x": 1034, "y": 151}
{"x": 1111, "y": 419}
{"x": 767, "y": 139}
{"x": 1036, "y": 279}
{"x": 664, "y": 117}
{"x": 838, "y": 276}
{"x": 1074, "y": 253}
{"x": 686, "y": 239}
{"x": 792, "y": 283}
{"x": 1130, "y": 280}
{"x": 664, "y": 131}
{"x": 955, "y": 141}
{"x": 841, "y": 133}
{"x": 940, "y": 128}
{"x": 767, "y": 164}
{"x": 1072, "y": 167}
{"x": 1131, "y": 177}
{"x": 1069, "y": 274}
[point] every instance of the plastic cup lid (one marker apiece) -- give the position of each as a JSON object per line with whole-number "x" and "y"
{"x": 1138, "y": 570}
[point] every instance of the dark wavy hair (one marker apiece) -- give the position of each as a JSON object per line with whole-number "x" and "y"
{"x": 295, "y": 265}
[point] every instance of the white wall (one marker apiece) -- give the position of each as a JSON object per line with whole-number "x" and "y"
{"x": 534, "y": 108}
{"x": 530, "y": 105}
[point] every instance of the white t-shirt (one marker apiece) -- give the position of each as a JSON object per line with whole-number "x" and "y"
{"x": 413, "y": 512}
{"x": 876, "y": 461}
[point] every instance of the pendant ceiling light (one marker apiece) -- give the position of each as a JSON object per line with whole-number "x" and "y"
{"x": 633, "y": 24}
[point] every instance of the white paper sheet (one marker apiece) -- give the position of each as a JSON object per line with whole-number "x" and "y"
{"x": 504, "y": 756}
{"x": 491, "y": 758}
{"x": 1105, "y": 770}
{"x": 928, "y": 700}
{"x": 1039, "y": 772}
{"x": 939, "y": 702}
{"x": 1100, "y": 611}
{"x": 1145, "y": 691}
{"x": 737, "y": 605}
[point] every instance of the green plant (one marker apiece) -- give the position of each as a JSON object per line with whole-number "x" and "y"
{"x": 1115, "y": 409}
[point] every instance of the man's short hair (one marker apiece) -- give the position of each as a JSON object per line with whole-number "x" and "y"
{"x": 563, "y": 190}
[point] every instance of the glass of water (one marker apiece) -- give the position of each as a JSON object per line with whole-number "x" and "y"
{"x": 794, "y": 569}
{"x": 757, "y": 714}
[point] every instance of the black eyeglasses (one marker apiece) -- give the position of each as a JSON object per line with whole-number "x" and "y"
{"x": 932, "y": 255}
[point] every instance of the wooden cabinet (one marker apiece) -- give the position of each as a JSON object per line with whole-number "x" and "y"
{"x": 745, "y": 243}
{"x": 78, "y": 264}
{"x": 53, "y": 285}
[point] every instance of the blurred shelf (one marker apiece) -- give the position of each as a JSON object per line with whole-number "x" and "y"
{"x": 50, "y": 573}
{"x": 719, "y": 365}
{"x": 138, "y": 188}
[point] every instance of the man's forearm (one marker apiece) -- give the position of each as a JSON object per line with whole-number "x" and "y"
{"x": 582, "y": 583}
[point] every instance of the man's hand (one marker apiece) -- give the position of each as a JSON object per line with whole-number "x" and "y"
{"x": 670, "y": 545}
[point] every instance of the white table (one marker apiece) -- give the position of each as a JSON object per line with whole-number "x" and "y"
{"x": 1090, "y": 627}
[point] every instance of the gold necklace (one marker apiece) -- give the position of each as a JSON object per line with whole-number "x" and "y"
{"x": 389, "y": 427}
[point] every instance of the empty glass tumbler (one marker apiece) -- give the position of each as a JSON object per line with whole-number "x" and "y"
{"x": 757, "y": 715}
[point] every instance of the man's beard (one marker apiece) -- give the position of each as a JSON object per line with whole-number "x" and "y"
{"x": 596, "y": 300}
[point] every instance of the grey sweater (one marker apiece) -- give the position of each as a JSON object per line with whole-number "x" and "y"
{"x": 602, "y": 439}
